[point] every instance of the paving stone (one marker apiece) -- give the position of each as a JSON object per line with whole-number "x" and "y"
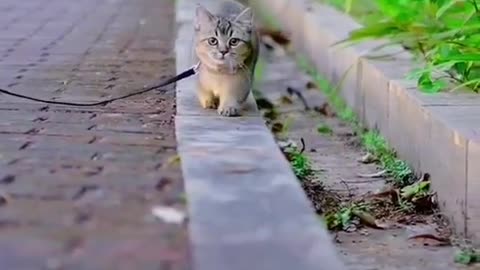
{"x": 85, "y": 178}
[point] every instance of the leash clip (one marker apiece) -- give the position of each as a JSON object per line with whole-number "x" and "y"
{"x": 196, "y": 67}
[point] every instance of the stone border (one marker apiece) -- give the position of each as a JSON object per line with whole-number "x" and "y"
{"x": 438, "y": 134}
{"x": 247, "y": 209}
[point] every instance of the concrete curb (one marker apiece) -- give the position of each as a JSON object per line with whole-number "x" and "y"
{"x": 437, "y": 134}
{"x": 247, "y": 209}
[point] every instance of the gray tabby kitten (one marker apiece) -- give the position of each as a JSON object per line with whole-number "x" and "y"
{"x": 226, "y": 45}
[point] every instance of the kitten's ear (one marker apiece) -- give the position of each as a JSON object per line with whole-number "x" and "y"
{"x": 245, "y": 17}
{"x": 203, "y": 17}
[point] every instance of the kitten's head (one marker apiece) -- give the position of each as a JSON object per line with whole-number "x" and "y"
{"x": 223, "y": 43}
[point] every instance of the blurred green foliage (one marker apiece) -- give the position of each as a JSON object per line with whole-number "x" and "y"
{"x": 445, "y": 34}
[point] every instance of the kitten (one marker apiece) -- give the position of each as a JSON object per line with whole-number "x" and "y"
{"x": 226, "y": 45}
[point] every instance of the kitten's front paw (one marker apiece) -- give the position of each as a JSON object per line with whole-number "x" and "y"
{"x": 229, "y": 111}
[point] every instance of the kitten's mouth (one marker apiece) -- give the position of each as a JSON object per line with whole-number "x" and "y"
{"x": 224, "y": 65}
{"x": 222, "y": 60}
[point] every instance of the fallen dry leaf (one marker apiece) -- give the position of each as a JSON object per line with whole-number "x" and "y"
{"x": 325, "y": 109}
{"x": 277, "y": 127}
{"x": 4, "y": 198}
{"x": 270, "y": 114}
{"x": 162, "y": 183}
{"x": 264, "y": 104}
{"x": 430, "y": 240}
{"x": 168, "y": 214}
{"x": 273, "y": 46}
{"x": 7, "y": 179}
{"x": 424, "y": 203}
{"x": 390, "y": 191}
{"x": 366, "y": 219}
{"x": 173, "y": 161}
{"x": 367, "y": 158}
{"x": 310, "y": 85}
{"x": 286, "y": 100}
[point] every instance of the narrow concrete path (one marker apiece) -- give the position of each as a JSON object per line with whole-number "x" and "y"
{"x": 78, "y": 185}
{"x": 247, "y": 209}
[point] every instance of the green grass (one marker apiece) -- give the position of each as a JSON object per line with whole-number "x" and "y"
{"x": 335, "y": 100}
{"x": 324, "y": 129}
{"x": 467, "y": 256}
{"x": 301, "y": 164}
{"x": 396, "y": 169}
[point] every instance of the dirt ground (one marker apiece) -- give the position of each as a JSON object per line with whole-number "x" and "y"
{"x": 336, "y": 159}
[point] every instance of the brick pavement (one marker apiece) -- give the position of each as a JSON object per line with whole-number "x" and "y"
{"x": 82, "y": 181}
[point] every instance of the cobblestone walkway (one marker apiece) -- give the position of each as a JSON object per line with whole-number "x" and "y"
{"x": 77, "y": 185}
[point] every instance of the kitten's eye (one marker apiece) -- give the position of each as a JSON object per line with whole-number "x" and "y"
{"x": 212, "y": 41}
{"x": 234, "y": 41}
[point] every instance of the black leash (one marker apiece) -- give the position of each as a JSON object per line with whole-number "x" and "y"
{"x": 187, "y": 73}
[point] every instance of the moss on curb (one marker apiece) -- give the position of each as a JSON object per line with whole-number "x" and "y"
{"x": 396, "y": 169}
{"x": 374, "y": 143}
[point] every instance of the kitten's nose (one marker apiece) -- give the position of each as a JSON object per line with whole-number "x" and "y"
{"x": 224, "y": 51}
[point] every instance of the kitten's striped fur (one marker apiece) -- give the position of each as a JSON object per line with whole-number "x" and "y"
{"x": 226, "y": 45}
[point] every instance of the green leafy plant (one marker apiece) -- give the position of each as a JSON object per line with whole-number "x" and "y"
{"x": 339, "y": 220}
{"x": 467, "y": 256}
{"x": 416, "y": 196}
{"x": 415, "y": 190}
{"x": 343, "y": 218}
{"x": 301, "y": 164}
{"x": 444, "y": 34}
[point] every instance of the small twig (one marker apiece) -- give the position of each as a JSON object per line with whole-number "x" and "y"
{"x": 350, "y": 194}
{"x": 443, "y": 241}
{"x": 303, "y": 145}
{"x": 421, "y": 49}
{"x": 373, "y": 175}
{"x": 291, "y": 91}
{"x": 364, "y": 181}
{"x": 448, "y": 76}
{"x": 336, "y": 238}
{"x": 452, "y": 76}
